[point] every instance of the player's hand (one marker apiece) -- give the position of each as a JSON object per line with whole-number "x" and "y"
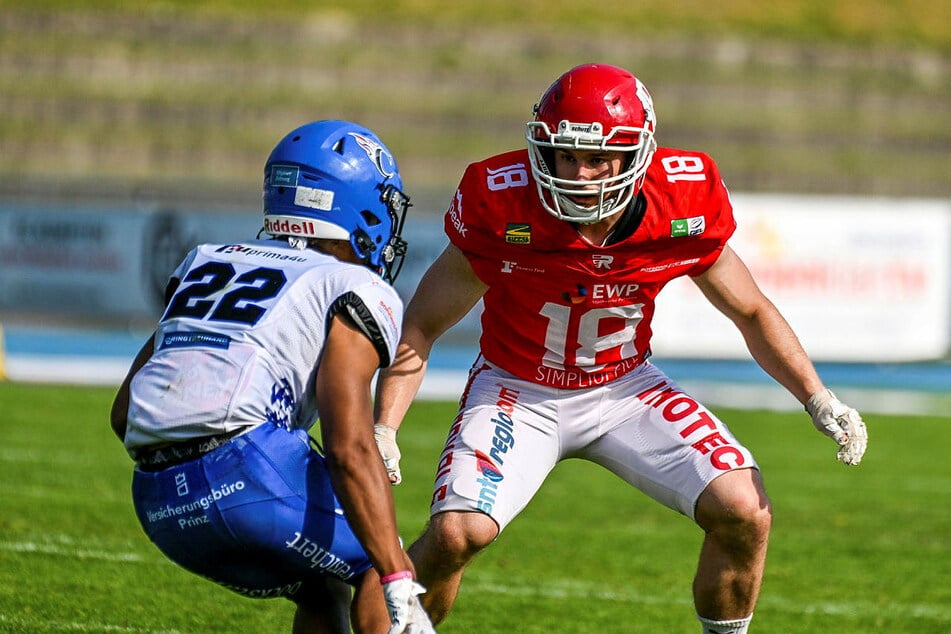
{"x": 406, "y": 612}
{"x": 841, "y": 423}
{"x": 386, "y": 442}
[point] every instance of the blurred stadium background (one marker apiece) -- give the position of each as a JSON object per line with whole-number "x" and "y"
{"x": 176, "y": 99}
{"x": 142, "y": 127}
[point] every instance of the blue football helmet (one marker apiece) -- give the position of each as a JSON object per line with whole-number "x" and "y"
{"x": 336, "y": 180}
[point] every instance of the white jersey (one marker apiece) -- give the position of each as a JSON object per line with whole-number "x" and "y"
{"x": 241, "y": 337}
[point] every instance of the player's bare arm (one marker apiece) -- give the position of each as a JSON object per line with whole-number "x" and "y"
{"x": 343, "y": 378}
{"x": 729, "y": 286}
{"x": 447, "y": 291}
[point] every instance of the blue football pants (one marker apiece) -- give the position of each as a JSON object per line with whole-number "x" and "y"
{"x": 257, "y": 515}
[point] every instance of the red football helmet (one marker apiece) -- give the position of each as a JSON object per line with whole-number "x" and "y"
{"x": 592, "y": 107}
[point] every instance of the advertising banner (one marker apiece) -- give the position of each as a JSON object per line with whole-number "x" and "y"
{"x": 98, "y": 262}
{"x": 858, "y": 279}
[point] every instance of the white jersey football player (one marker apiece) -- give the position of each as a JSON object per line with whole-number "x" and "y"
{"x": 568, "y": 243}
{"x": 258, "y": 340}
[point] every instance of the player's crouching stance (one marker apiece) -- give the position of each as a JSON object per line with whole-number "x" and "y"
{"x": 568, "y": 243}
{"x": 258, "y": 339}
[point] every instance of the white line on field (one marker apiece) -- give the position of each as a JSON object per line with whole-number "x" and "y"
{"x": 33, "y": 455}
{"x": 53, "y": 549}
{"x": 568, "y": 589}
{"x": 67, "y": 545}
{"x": 24, "y": 624}
{"x": 552, "y": 589}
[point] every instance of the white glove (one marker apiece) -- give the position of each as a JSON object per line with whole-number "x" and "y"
{"x": 386, "y": 442}
{"x": 841, "y": 423}
{"x": 406, "y": 612}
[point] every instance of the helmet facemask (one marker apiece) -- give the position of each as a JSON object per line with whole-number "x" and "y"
{"x": 594, "y": 108}
{"x": 389, "y": 261}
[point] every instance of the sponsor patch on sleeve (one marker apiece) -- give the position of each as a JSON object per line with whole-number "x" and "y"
{"x": 518, "y": 233}
{"x": 682, "y": 227}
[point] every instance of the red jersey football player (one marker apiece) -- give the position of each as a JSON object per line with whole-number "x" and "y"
{"x": 568, "y": 244}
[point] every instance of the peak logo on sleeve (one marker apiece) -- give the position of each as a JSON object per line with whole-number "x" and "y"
{"x": 455, "y": 214}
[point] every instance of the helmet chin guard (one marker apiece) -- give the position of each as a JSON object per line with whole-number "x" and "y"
{"x": 593, "y": 107}
{"x": 336, "y": 180}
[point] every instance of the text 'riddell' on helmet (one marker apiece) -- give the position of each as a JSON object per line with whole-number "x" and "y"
{"x": 595, "y": 107}
{"x": 337, "y": 180}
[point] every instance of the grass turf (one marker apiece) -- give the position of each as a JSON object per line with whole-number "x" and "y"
{"x": 853, "y": 549}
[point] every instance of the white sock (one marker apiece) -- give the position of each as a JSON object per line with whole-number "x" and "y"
{"x": 734, "y": 626}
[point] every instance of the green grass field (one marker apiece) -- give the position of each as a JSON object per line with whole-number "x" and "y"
{"x": 853, "y": 549}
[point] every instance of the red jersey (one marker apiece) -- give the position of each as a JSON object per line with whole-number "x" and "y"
{"x": 560, "y": 311}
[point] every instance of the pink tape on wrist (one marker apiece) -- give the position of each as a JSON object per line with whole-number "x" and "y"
{"x": 396, "y": 576}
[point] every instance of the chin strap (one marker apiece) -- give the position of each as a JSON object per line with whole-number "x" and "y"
{"x": 629, "y": 221}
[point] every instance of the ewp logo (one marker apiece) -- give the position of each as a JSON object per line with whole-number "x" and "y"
{"x": 580, "y": 295}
